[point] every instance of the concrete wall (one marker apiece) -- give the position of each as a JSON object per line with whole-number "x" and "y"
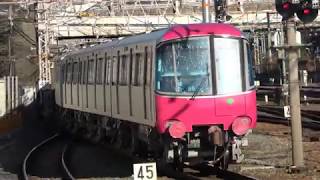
{"x": 9, "y": 94}
{"x": 2, "y": 98}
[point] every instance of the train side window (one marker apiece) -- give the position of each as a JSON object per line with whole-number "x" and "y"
{"x": 144, "y": 69}
{"x": 99, "y": 73}
{"x": 56, "y": 75}
{"x": 250, "y": 65}
{"x": 75, "y": 72}
{"x": 147, "y": 69}
{"x": 114, "y": 70}
{"x": 91, "y": 72}
{"x": 80, "y": 72}
{"x": 123, "y": 70}
{"x": 85, "y": 72}
{"x": 130, "y": 67}
{"x": 108, "y": 70}
{"x": 133, "y": 71}
{"x": 118, "y": 68}
{"x": 105, "y": 67}
{"x": 141, "y": 70}
{"x": 137, "y": 77}
{"x": 69, "y": 72}
{"x": 62, "y": 73}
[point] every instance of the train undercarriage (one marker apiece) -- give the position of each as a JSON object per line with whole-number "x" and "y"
{"x": 206, "y": 144}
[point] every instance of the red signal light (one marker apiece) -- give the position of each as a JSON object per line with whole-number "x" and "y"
{"x": 286, "y": 6}
{"x": 306, "y": 11}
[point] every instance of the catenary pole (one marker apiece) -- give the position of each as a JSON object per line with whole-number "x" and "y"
{"x": 206, "y": 15}
{"x": 294, "y": 89}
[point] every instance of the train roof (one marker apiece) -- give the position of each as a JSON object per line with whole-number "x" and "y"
{"x": 171, "y": 33}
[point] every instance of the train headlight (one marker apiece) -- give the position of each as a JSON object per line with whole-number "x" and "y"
{"x": 176, "y": 129}
{"x": 241, "y": 125}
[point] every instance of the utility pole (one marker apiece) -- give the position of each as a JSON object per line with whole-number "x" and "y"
{"x": 269, "y": 38}
{"x": 206, "y": 15}
{"x": 296, "y": 128}
{"x": 306, "y": 11}
{"x": 10, "y": 59}
{"x": 284, "y": 65}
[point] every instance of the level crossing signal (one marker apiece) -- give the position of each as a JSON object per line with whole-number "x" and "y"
{"x": 306, "y": 10}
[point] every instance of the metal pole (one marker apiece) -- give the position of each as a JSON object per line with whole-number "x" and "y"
{"x": 11, "y": 65}
{"x": 296, "y": 128}
{"x": 206, "y": 16}
{"x": 269, "y": 38}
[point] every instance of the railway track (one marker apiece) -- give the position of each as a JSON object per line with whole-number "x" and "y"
{"x": 65, "y": 151}
{"x": 33, "y": 157}
{"x": 203, "y": 172}
{"x": 309, "y": 94}
{"x": 199, "y": 172}
{"x": 310, "y": 118}
{"x": 110, "y": 162}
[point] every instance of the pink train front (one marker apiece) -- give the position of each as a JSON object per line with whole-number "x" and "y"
{"x": 181, "y": 93}
{"x": 206, "y": 111}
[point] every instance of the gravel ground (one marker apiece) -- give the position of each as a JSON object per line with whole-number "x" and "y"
{"x": 19, "y": 142}
{"x": 269, "y": 153}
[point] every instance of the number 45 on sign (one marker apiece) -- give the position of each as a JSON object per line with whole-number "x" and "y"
{"x": 145, "y": 171}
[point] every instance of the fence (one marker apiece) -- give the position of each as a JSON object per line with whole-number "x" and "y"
{"x": 9, "y": 94}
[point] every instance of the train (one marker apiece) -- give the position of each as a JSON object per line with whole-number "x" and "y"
{"x": 182, "y": 94}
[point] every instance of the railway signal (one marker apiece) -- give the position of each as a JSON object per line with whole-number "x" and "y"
{"x": 285, "y": 8}
{"x": 306, "y": 10}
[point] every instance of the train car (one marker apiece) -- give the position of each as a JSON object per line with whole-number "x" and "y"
{"x": 181, "y": 93}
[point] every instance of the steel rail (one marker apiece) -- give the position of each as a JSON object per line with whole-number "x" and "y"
{"x": 169, "y": 171}
{"x": 24, "y": 166}
{"x": 64, "y": 165}
{"x": 273, "y": 116}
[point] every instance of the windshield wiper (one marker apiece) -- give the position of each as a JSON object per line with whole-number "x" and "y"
{"x": 195, "y": 93}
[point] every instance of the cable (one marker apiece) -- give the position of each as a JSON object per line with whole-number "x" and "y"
{"x": 24, "y": 35}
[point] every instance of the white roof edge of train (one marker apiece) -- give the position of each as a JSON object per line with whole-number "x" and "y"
{"x": 154, "y": 36}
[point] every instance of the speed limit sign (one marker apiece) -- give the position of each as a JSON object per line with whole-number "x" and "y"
{"x": 145, "y": 171}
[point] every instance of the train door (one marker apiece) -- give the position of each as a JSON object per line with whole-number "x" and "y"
{"x": 69, "y": 83}
{"x": 81, "y": 82}
{"x": 131, "y": 62}
{"x": 123, "y": 83}
{"x": 139, "y": 88}
{"x": 85, "y": 84}
{"x": 148, "y": 55}
{"x": 57, "y": 82}
{"x": 107, "y": 83}
{"x": 152, "y": 82}
{"x": 99, "y": 82}
{"x": 91, "y": 89}
{"x": 61, "y": 74}
{"x": 114, "y": 83}
{"x": 74, "y": 87}
{"x": 64, "y": 102}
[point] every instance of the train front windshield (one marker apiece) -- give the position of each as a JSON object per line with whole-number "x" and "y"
{"x": 189, "y": 66}
{"x": 183, "y": 67}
